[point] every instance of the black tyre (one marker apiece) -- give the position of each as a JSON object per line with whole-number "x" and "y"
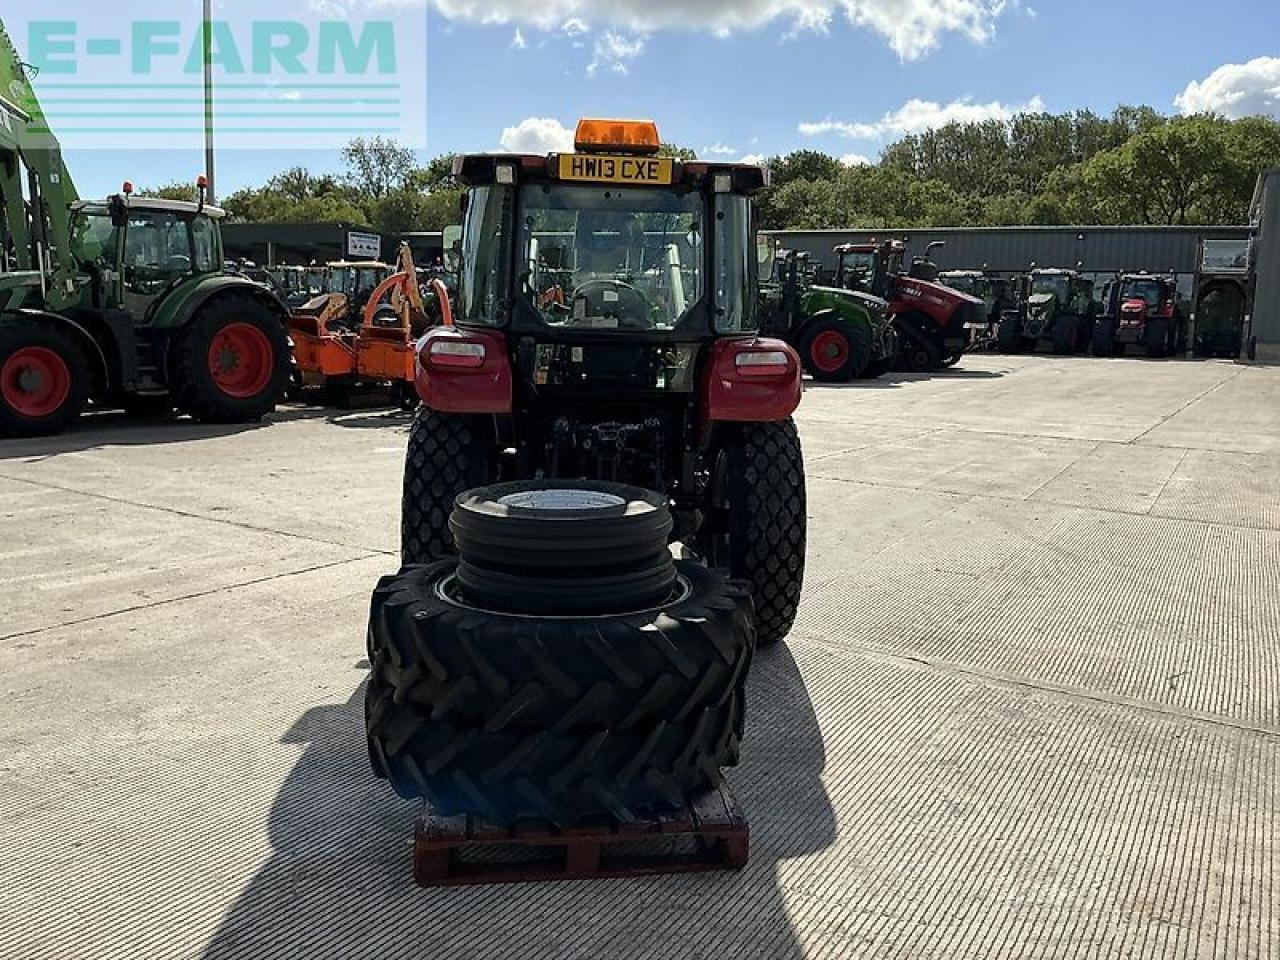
{"x": 469, "y": 667}
{"x": 759, "y": 526}
{"x": 231, "y": 363}
{"x": 919, "y": 357}
{"x": 878, "y": 368}
{"x": 448, "y": 455}
{"x": 1009, "y": 336}
{"x": 567, "y": 527}
{"x": 562, "y": 718}
{"x": 1158, "y": 339}
{"x": 564, "y": 778}
{"x": 45, "y": 377}
{"x": 834, "y": 350}
{"x": 1064, "y": 335}
{"x": 1104, "y": 338}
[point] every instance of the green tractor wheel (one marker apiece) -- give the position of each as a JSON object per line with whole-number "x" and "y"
{"x": 44, "y": 377}
{"x": 231, "y": 363}
{"x": 835, "y": 351}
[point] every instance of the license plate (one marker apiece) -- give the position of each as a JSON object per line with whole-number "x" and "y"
{"x": 636, "y": 171}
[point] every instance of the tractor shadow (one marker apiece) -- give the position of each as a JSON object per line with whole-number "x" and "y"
{"x": 895, "y": 380}
{"x": 338, "y": 880}
{"x": 95, "y": 431}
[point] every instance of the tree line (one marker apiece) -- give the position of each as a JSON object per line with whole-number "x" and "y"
{"x": 1132, "y": 167}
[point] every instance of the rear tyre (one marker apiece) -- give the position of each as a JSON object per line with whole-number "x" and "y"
{"x": 44, "y": 377}
{"x": 1009, "y": 336}
{"x": 1064, "y": 335}
{"x": 459, "y": 664}
{"x": 231, "y": 363}
{"x": 835, "y": 351}
{"x": 920, "y": 357}
{"x": 1104, "y": 338}
{"x": 1158, "y": 339}
{"x": 761, "y": 530}
{"x": 562, "y": 718}
{"x": 448, "y": 455}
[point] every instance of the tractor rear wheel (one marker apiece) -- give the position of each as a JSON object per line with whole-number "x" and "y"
{"x": 44, "y": 377}
{"x": 760, "y": 531}
{"x": 1009, "y": 336}
{"x": 835, "y": 351}
{"x": 1104, "y": 338}
{"x": 919, "y": 357}
{"x": 1064, "y": 335}
{"x": 231, "y": 363}
{"x": 448, "y": 455}
{"x": 1158, "y": 339}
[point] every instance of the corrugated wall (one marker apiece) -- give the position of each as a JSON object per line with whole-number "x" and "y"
{"x": 1098, "y": 249}
{"x": 1266, "y": 307}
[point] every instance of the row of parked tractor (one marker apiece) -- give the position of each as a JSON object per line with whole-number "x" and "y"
{"x": 874, "y": 313}
{"x": 1058, "y": 310}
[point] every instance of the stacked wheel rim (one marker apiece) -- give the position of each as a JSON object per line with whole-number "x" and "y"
{"x": 569, "y": 549}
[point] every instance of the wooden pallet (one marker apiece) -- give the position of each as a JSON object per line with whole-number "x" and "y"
{"x": 712, "y": 832}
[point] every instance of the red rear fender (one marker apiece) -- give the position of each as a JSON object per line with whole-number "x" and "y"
{"x": 751, "y": 380}
{"x": 464, "y": 371}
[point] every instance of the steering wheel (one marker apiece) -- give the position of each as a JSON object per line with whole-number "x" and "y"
{"x": 643, "y": 322}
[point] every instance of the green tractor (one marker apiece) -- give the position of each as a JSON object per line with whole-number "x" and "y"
{"x": 124, "y": 302}
{"x": 841, "y": 335}
{"x": 1057, "y": 308}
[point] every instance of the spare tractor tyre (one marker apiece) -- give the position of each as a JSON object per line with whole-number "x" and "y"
{"x": 835, "y": 350}
{"x": 564, "y": 548}
{"x": 759, "y": 523}
{"x": 448, "y": 454}
{"x": 44, "y": 377}
{"x": 581, "y": 527}
{"x": 560, "y": 717}
{"x": 231, "y": 363}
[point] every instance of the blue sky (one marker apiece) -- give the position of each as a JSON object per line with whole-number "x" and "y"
{"x": 752, "y": 91}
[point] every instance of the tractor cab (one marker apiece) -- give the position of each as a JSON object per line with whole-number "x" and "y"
{"x": 135, "y": 251}
{"x": 869, "y": 267}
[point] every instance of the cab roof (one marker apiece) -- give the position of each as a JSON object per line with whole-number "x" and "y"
{"x": 156, "y": 203}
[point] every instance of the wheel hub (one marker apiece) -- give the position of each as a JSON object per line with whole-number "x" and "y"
{"x": 562, "y": 500}
{"x": 31, "y": 379}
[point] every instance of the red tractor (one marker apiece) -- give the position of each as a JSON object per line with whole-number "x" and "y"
{"x": 604, "y": 493}
{"x": 1140, "y": 309}
{"x": 605, "y": 329}
{"x": 933, "y": 320}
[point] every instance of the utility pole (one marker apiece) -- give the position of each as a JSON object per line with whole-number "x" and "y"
{"x": 207, "y": 43}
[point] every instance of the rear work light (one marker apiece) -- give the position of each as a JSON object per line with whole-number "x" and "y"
{"x": 762, "y": 363}
{"x": 620, "y": 136}
{"x": 456, "y": 353}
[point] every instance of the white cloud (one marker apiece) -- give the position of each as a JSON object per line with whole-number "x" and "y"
{"x": 917, "y": 116}
{"x": 518, "y": 41}
{"x": 1236, "y": 90}
{"x": 757, "y": 158}
{"x": 613, "y": 51}
{"x": 574, "y": 27}
{"x": 912, "y": 28}
{"x": 855, "y": 160}
{"x": 717, "y": 150}
{"x": 537, "y": 135}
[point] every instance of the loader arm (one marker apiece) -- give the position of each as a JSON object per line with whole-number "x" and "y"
{"x": 36, "y": 238}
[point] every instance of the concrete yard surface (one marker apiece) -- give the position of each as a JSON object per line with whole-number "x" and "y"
{"x": 1031, "y": 708}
